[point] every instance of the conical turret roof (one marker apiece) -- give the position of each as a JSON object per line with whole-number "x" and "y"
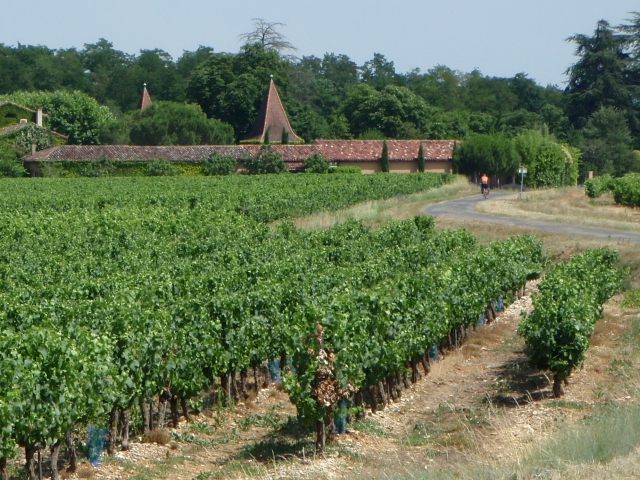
{"x": 145, "y": 98}
{"x": 272, "y": 118}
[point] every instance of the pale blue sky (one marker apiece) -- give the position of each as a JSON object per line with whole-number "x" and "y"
{"x": 499, "y": 37}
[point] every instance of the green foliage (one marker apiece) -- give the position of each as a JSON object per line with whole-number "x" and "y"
{"x": 218, "y": 164}
{"x": 597, "y": 186}
{"x": 172, "y": 302}
{"x": 101, "y": 167}
{"x": 160, "y": 167}
{"x": 557, "y": 333}
{"x": 421, "y": 159}
{"x": 491, "y": 154}
{"x": 443, "y": 281}
{"x": 12, "y": 114}
{"x": 372, "y": 134}
{"x": 395, "y": 111}
{"x": 231, "y": 87}
{"x": 32, "y": 134}
{"x": 346, "y": 169}
{"x": 285, "y": 136}
{"x": 627, "y": 190}
{"x": 169, "y": 123}
{"x": 117, "y": 168}
{"x": 384, "y": 158}
{"x": 601, "y": 77}
{"x": 265, "y": 161}
{"x": 74, "y": 114}
{"x": 549, "y": 164}
{"x": 632, "y": 298}
{"x": 10, "y": 166}
{"x": 316, "y": 163}
{"x": 607, "y": 143}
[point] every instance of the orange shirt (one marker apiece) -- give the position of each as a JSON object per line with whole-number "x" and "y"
{"x": 484, "y": 179}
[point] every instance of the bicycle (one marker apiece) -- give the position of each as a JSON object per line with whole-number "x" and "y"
{"x": 485, "y": 191}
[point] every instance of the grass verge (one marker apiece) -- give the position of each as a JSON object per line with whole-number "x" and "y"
{"x": 377, "y": 212}
{"x": 565, "y": 205}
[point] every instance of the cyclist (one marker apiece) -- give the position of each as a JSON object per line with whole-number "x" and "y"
{"x": 484, "y": 181}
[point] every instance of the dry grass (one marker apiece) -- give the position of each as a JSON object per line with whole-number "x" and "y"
{"x": 377, "y": 212}
{"x": 85, "y": 472}
{"x": 160, "y": 436}
{"x": 566, "y": 205}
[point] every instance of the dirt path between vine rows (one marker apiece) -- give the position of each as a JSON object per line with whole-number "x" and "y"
{"x": 463, "y": 208}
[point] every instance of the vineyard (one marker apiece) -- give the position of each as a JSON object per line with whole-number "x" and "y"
{"x": 626, "y": 189}
{"x": 115, "y": 294}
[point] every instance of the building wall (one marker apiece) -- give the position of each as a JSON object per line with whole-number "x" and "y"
{"x": 400, "y": 167}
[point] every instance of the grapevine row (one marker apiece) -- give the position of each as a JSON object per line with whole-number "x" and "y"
{"x": 571, "y": 296}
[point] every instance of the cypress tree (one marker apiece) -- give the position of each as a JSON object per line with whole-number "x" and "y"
{"x": 385, "y": 157}
{"x": 421, "y": 159}
{"x": 266, "y": 136}
{"x": 285, "y": 136}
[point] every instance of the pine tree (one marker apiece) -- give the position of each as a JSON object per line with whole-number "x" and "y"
{"x": 385, "y": 157}
{"x": 285, "y": 136}
{"x": 421, "y": 159}
{"x": 267, "y": 140}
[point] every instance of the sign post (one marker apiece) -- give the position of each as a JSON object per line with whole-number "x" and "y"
{"x": 521, "y": 171}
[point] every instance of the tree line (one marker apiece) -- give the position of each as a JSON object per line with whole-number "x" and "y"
{"x": 218, "y": 95}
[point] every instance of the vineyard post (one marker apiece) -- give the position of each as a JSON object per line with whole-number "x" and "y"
{"x": 39, "y": 461}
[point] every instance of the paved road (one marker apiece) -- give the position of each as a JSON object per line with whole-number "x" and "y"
{"x": 463, "y": 208}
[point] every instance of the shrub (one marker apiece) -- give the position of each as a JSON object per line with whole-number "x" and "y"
{"x": 347, "y": 169}
{"x": 101, "y": 167}
{"x": 594, "y": 187}
{"x": 171, "y": 123}
{"x": 160, "y": 168}
{"x": 627, "y": 190}
{"x": 218, "y": 164}
{"x": 316, "y": 163}
{"x": 10, "y": 166}
{"x": 265, "y": 161}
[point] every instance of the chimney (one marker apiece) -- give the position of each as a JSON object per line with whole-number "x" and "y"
{"x": 39, "y": 117}
{"x": 33, "y": 149}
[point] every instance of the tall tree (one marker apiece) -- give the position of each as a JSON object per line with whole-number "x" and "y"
{"x": 599, "y": 78}
{"x": 421, "y": 159}
{"x": 607, "y": 144}
{"x": 380, "y": 72}
{"x": 267, "y": 34}
{"x": 384, "y": 161}
{"x": 231, "y": 87}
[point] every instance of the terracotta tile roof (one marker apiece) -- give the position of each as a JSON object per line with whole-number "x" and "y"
{"x": 192, "y": 153}
{"x": 371, "y": 150}
{"x": 272, "y": 116}
{"x": 334, "y": 150}
{"x": 145, "y": 98}
{"x": 289, "y": 153}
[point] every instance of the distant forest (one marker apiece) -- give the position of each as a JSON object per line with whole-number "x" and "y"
{"x": 333, "y": 97}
